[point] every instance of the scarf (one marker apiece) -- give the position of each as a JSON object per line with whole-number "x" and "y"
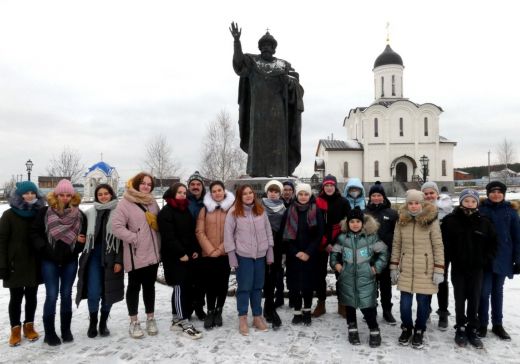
{"x": 291, "y": 226}
{"x": 64, "y": 226}
{"x": 112, "y": 243}
{"x": 132, "y": 195}
{"x": 414, "y": 214}
{"x": 178, "y": 204}
{"x": 25, "y": 209}
{"x": 275, "y": 210}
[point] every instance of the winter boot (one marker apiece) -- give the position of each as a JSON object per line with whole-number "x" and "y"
{"x": 50, "y": 332}
{"x": 103, "y": 329}
{"x": 417, "y": 339}
{"x": 499, "y": 331}
{"x": 443, "y": 320}
{"x": 320, "y": 309}
{"x": 406, "y": 334}
{"x": 374, "y": 339}
{"x": 342, "y": 310}
{"x": 92, "y": 327}
{"x": 389, "y": 318}
{"x": 29, "y": 333}
{"x": 353, "y": 335}
{"x": 482, "y": 331}
{"x": 307, "y": 320}
{"x": 218, "y": 317}
{"x": 461, "y": 339}
{"x": 209, "y": 321}
{"x": 16, "y": 336}
{"x": 66, "y": 334}
{"x": 259, "y": 324}
{"x": 277, "y": 321}
{"x": 243, "y": 326}
{"x": 474, "y": 340}
{"x": 268, "y": 312}
{"x": 297, "y": 318}
{"x": 199, "y": 311}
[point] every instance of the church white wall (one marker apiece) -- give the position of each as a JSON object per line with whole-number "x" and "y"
{"x": 386, "y": 72}
{"x": 335, "y": 161}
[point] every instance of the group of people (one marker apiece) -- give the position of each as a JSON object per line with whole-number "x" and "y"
{"x": 199, "y": 236}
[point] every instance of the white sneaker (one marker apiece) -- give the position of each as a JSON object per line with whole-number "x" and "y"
{"x": 187, "y": 329}
{"x": 135, "y": 330}
{"x": 151, "y": 327}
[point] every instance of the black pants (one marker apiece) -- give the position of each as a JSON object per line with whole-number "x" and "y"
{"x": 15, "y": 304}
{"x": 142, "y": 277}
{"x": 370, "y": 314}
{"x": 385, "y": 289}
{"x": 198, "y": 286}
{"x": 321, "y": 282}
{"x": 272, "y": 275}
{"x": 217, "y": 281}
{"x": 298, "y": 296}
{"x": 467, "y": 288}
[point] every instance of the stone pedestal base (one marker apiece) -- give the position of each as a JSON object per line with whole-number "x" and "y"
{"x": 258, "y": 183}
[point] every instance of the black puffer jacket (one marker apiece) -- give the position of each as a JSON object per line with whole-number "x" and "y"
{"x": 470, "y": 241}
{"x": 386, "y": 216}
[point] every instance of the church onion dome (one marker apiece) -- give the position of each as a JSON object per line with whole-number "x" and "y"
{"x": 388, "y": 57}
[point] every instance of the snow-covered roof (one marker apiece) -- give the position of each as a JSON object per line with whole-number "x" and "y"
{"x": 349, "y": 144}
{"x": 103, "y": 167}
{"x": 445, "y": 140}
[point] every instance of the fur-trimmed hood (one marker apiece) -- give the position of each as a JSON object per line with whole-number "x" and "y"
{"x": 370, "y": 225}
{"x": 515, "y": 204}
{"x": 225, "y": 204}
{"x": 426, "y": 216}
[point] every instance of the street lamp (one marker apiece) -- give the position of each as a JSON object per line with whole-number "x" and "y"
{"x": 29, "y": 164}
{"x": 424, "y": 163}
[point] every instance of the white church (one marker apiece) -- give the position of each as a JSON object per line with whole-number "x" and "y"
{"x": 99, "y": 173}
{"x": 394, "y": 140}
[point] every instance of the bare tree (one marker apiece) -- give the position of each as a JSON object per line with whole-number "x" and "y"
{"x": 8, "y": 188}
{"x": 66, "y": 164}
{"x": 506, "y": 156}
{"x": 159, "y": 159}
{"x": 222, "y": 157}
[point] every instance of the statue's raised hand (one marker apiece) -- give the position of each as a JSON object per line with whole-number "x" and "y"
{"x": 235, "y": 31}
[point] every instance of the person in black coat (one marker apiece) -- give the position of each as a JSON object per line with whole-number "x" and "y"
{"x": 380, "y": 208}
{"x": 179, "y": 249}
{"x": 471, "y": 243}
{"x": 58, "y": 233}
{"x": 334, "y": 208}
{"x": 302, "y": 229}
{"x": 101, "y": 275}
{"x": 19, "y": 265}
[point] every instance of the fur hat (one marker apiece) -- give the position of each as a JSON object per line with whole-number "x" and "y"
{"x": 275, "y": 183}
{"x": 64, "y": 186}
{"x": 414, "y": 195}
{"x": 468, "y": 192}
{"x": 329, "y": 180}
{"x": 377, "y": 188}
{"x": 24, "y": 187}
{"x": 430, "y": 184}
{"x": 195, "y": 176}
{"x": 356, "y": 213}
{"x": 304, "y": 187}
{"x": 496, "y": 185}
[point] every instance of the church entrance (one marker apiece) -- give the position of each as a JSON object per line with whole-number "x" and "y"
{"x": 401, "y": 172}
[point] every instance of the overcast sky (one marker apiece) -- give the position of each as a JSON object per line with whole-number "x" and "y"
{"x": 106, "y": 76}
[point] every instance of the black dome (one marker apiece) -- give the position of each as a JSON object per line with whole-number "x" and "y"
{"x": 388, "y": 57}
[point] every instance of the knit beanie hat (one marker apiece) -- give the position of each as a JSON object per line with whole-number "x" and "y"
{"x": 196, "y": 176}
{"x": 414, "y": 195}
{"x": 24, "y": 187}
{"x": 468, "y": 192}
{"x": 304, "y": 187}
{"x": 496, "y": 185}
{"x": 289, "y": 183}
{"x": 355, "y": 213}
{"x": 377, "y": 188}
{"x": 430, "y": 184}
{"x": 329, "y": 180}
{"x": 273, "y": 182}
{"x": 64, "y": 186}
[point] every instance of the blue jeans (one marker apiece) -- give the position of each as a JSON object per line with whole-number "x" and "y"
{"x": 423, "y": 309}
{"x": 250, "y": 281}
{"x": 58, "y": 279}
{"x": 96, "y": 282}
{"x": 492, "y": 285}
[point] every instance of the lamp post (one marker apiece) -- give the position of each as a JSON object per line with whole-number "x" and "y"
{"x": 424, "y": 163}
{"x": 29, "y": 165}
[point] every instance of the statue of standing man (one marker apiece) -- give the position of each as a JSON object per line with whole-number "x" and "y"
{"x": 270, "y": 100}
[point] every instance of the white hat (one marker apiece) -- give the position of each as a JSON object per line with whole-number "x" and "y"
{"x": 273, "y": 182}
{"x": 303, "y": 187}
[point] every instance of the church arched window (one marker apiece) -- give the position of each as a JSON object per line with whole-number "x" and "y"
{"x": 393, "y": 85}
{"x": 376, "y": 169}
{"x": 444, "y": 167}
{"x": 425, "y": 126}
{"x": 382, "y": 86}
{"x": 345, "y": 169}
{"x": 376, "y": 127}
{"x": 401, "y": 127}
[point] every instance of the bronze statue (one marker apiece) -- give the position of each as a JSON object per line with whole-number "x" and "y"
{"x": 270, "y": 100}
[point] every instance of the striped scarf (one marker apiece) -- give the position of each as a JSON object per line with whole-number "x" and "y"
{"x": 291, "y": 226}
{"x": 64, "y": 226}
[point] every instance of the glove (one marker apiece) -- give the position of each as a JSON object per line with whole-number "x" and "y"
{"x": 394, "y": 275}
{"x": 438, "y": 278}
{"x": 516, "y": 268}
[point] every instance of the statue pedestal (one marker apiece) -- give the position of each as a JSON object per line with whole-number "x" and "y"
{"x": 258, "y": 183}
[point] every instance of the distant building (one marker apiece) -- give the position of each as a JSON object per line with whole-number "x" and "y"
{"x": 49, "y": 182}
{"x": 461, "y": 175}
{"x": 387, "y": 139}
{"x": 99, "y": 173}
